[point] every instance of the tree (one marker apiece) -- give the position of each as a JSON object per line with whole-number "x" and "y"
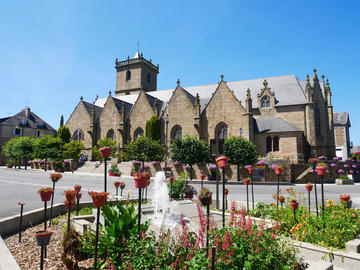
{"x": 62, "y": 120}
{"x": 8, "y": 151}
{"x": 23, "y": 149}
{"x": 240, "y": 152}
{"x": 64, "y": 134}
{"x": 144, "y": 149}
{"x": 48, "y": 147}
{"x": 189, "y": 150}
{"x": 153, "y": 128}
{"x": 106, "y": 142}
{"x": 73, "y": 150}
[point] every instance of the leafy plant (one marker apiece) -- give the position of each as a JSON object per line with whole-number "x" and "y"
{"x": 240, "y": 152}
{"x": 114, "y": 170}
{"x": 73, "y": 150}
{"x": 64, "y": 134}
{"x": 176, "y": 188}
{"x": 71, "y": 250}
{"x": 48, "y": 147}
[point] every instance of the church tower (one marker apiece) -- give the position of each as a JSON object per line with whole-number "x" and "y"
{"x": 134, "y": 75}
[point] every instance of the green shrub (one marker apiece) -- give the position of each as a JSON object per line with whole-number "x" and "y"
{"x": 143, "y": 149}
{"x": 153, "y": 128}
{"x": 176, "y": 188}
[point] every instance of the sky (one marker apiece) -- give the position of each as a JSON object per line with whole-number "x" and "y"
{"x": 53, "y": 52}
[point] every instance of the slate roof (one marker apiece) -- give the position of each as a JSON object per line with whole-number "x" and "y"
{"x": 20, "y": 119}
{"x": 288, "y": 89}
{"x": 341, "y": 118}
{"x": 273, "y": 124}
{"x": 89, "y": 107}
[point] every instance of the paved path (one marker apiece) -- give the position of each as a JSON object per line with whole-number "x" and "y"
{"x": 22, "y": 185}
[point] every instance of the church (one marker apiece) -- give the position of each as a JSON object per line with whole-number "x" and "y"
{"x": 287, "y": 118}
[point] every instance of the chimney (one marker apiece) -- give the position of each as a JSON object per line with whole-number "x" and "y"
{"x": 27, "y": 112}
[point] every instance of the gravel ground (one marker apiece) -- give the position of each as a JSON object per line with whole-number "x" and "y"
{"x": 27, "y": 253}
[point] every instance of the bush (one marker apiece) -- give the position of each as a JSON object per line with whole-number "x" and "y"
{"x": 64, "y": 134}
{"x": 48, "y": 147}
{"x": 95, "y": 153}
{"x": 176, "y": 188}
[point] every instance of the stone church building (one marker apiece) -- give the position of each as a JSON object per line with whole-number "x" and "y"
{"x": 284, "y": 116}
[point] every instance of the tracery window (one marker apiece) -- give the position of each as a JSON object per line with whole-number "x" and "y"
{"x": 138, "y": 133}
{"x": 221, "y": 131}
{"x": 78, "y": 135}
{"x": 176, "y": 133}
{"x": 265, "y": 102}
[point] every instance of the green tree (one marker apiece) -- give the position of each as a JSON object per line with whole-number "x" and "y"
{"x": 153, "y": 128}
{"x": 48, "y": 147}
{"x": 106, "y": 142}
{"x": 8, "y": 151}
{"x": 189, "y": 150}
{"x": 144, "y": 149}
{"x": 23, "y": 149}
{"x": 240, "y": 152}
{"x": 73, "y": 150}
{"x": 64, "y": 134}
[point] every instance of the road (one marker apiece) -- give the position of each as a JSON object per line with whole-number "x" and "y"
{"x": 22, "y": 185}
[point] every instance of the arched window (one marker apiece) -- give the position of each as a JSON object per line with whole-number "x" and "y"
{"x": 317, "y": 121}
{"x": 148, "y": 77}
{"x": 221, "y": 131}
{"x": 78, "y": 135}
{"x": 138, "y": 133}
{"x": 110, "y": 134}
{"x": 265, "y": 102}
{"x": 176, "y": 133}
{"x": 276, "y": 144}
{"x": 268, "y": 144}
{"x": 128, "y": 75}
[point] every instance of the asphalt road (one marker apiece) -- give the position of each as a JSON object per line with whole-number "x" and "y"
{"x": 22, "y": 185}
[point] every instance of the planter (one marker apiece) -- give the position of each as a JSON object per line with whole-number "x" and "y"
{"x": 321, "y": 170}
{"x": 45, "y": 196}
{"x": 309, "y": 187}
{"x": 206, "y": 200}
{"x": 189, "y": 196}
{"x": 294, "y": 205}
{"x": 141, "y": 180}
{"x": 246, "y": 181}
{"x": 116, "y": 175}
{"x": 43, "y": 237}
{"x": 202, "y": 176}
{"x": 344, "y": 181}
{"x": 251, "y": 170}
{"x": 77, "y": 189}
{"x": 116, "y": 184}
{"x": 99, "y": 198}
{"x": 105, "y": 152}
{"x": 222, "y": 162}
{"x": 345, "y": 198}
{"x": 9, "y": 166}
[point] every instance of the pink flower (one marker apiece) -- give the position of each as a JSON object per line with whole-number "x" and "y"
{"x": 333, "y": 165}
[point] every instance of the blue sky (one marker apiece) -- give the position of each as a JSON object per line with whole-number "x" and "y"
{"x": 53, "y": 52}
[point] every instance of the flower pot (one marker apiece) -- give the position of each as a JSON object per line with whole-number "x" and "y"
{"x": 99, "y": 198}
{"x": 141, "y": 180}
{"x": 189, "y": 196}
{"x": 251, "y": 170}
{"x": 43, "y": 237}
{"x": 9, "y": 166}
{"x": 345, "y": 198}
{"x": 206, "y": 200}
{"x": 294, "y": 205}
{"x": 279, "y": 170}
{"x": 71, "y": 205}
{"x": 321, "y": 170}
{"x": 112, "y": 174}
{"x": 202, "y": 176}
{"x": 222, "y": 162}
{"x": 105, "y": 152}
{"x": 116, "y": 184}
{"x": 309, "y": 187}
{"x": 78, "y": 195}
{"x": 246, "y": 181}
{"x": 46, "y": 196}
{"x": 77, "y": 189}
{"x": 70, "y": 195}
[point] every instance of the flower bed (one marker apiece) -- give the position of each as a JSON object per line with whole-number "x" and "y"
{"x": 341, "y": 224}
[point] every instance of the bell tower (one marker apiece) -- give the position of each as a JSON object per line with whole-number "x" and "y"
{"x": 136, "y": 74}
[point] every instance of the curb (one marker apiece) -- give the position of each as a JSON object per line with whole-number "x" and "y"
{"x": 7, "y": 261}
